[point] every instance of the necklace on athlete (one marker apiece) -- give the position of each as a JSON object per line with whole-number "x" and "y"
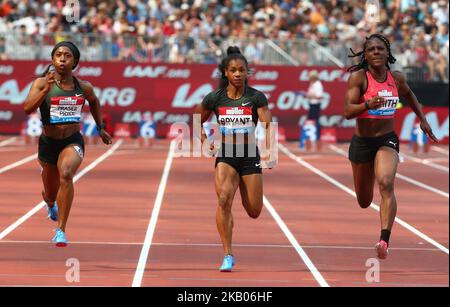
{"x": 60, "y": 81}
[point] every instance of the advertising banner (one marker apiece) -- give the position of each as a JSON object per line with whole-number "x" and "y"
{"x": 169, "y": 93}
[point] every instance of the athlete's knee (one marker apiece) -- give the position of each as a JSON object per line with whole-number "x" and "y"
{"x": 66, "y": 176}
{"x": 225, "y": 200}
{"x": 386, "y": 183}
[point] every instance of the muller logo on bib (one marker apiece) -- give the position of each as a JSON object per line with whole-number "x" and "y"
{"x": 68, "y": 101}
{"x": 384, "y": 93}
{"x": 235, "y": 111}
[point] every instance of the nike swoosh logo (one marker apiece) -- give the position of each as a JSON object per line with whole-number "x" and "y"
{"x": 246, "y": 104}
{"x": 258, "y": 165}
{"x": 78, "y": 95}
{"x": 395, "y": 144}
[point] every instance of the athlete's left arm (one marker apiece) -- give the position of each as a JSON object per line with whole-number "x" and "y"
{"x": 265, "y": 117}
{"x": 405, "y": 91}
{"x": 95, "y": 109}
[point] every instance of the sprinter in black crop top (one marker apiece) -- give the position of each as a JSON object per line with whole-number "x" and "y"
{"x": 238, "y": 108}
{"x": 60, "y": 97}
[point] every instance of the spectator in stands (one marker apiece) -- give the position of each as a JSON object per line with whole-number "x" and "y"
{"x": 253, "y": 51}
{"x": 442, "y": 35}
{"x": 436, "y": 62}
{"x": 440, "y": 11}
{"x": 115, "y": 48}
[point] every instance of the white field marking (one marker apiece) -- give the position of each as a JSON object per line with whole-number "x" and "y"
{"x": 440, "y": 150}
{"x": 8, "y": 141}
{"x": 140, "y": 269}
{"x": 400, "y": 176}
{"x": 343, "y": 247}
{"x": 18, "y": 163}
{"x": 315, "y": 272}
{"x": 312, "y": 157}
{"x": 39, "y": 206}
{"x": 436, "y": 160}
{"x": 427, "y": 163}
{"x": 422, "y": 185}
{"x": 374, "y": 206}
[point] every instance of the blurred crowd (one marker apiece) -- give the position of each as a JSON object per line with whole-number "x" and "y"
{"x": 185, "y": 31}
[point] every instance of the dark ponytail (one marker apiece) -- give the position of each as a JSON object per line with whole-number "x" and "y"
{"x": 46, "y": 71}
{"x": 233, "y": 53}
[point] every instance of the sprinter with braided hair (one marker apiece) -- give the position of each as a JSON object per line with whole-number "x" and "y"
{"x": 372, "y": 96}
{"x": 363, "y": 64}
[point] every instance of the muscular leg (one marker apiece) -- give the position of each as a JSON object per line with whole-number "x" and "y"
{"x": 50, "y": 179}
{"x": 251, "y": 189}
{"x": 68, "y": 163}
{"x": 227, "y": 182}
{"x": 364, "y": 179}
{"x": 386, "y": 162}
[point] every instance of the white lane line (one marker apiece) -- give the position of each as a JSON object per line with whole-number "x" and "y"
{"x": 8, "y": 141}
{"x": 400, "y": 176}
{"x": 427, "y": 163}
{"x": 18, "y": 163}
{"x": 440, "y": 150}
{"x": 436, "y": 160}
{"x": 140, "y": 269}
{"x": 338, "y": 150}
{"x": 39, "y": 206}
{"x": 165, "y": 244}
{"x": 374, "y": 206}
{"x": 422, "y": 185}
{"x": 315, "y": 272}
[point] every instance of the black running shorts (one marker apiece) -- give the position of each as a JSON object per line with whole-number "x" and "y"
{"x": 49, "y": 149}
{"x": 364, "y": 149}
{"x": 244, "y": 158}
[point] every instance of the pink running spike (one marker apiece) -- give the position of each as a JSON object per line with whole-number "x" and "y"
{"x": 382, "y": 249}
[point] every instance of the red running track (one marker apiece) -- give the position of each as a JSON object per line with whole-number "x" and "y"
{"x": 115, "y": 201}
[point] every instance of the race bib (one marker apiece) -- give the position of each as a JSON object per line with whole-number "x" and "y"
{"x": 388, "y": 108}
{"x": 66, "y": 109}
{"x": 236, "y": 120}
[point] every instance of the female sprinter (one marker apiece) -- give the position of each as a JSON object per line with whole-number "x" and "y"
{"x": 238, "y": 165}
{"x": 60, "y": 98}
{"x": 372, "y": 96}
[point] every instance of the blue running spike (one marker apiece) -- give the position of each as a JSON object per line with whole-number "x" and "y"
{"x": 60, "y": 238}
{"x": 52, "y": 212}
{"x": 228, "y": 263}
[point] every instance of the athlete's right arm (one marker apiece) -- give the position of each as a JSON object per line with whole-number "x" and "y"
{"x": 38, "y": 92}
{"x": 205, "y": 114}
{"x": 352, "y": 106}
